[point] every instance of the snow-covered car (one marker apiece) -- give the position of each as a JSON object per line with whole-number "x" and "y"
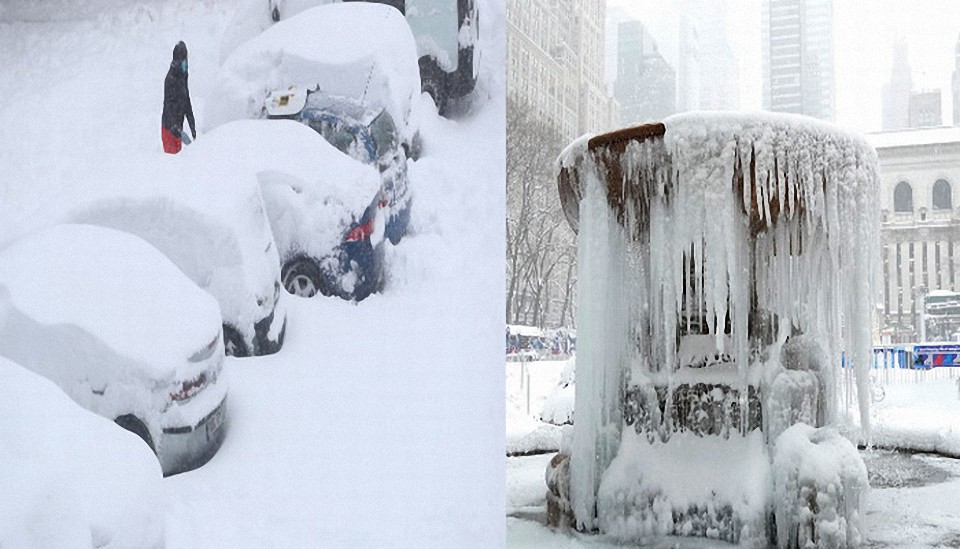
{"x": 327, "y": 211}
{"x": 321, "y": 48}
{"x": 71, "y": 478}
{"x": 137, "y": 343}
{"x": 205, "y": 213}
{"x": 446, "y": 34}
{"x": 363, "y": 133}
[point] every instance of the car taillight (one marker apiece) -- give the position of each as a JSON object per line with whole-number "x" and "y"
{"x": 360, "y": 232}
{"x": 189, "y": 388}
{"x": 205, "y": 353}
{"x": 383, "y": 203}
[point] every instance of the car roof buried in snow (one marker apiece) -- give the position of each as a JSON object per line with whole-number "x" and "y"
{"x": 112, "y": 285}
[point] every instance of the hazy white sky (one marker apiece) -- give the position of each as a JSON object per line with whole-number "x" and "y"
{"x": 864, "y": 34}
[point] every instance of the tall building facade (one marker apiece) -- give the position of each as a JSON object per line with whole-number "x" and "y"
{"x": 555, "y": 62}
{"x": 956, "y": 84}
{"x": 707, "y": 72}
{"x": 797, "y": 57}
{"x": 896, "y": 92}
{"x": 920, "y": 229}
{"x": 923, "y": 110}
{"x": 645, "y": 86}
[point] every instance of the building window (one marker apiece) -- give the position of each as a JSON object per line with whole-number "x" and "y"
{"x": 942, "y": 196}
{"x": 903, "y": 197}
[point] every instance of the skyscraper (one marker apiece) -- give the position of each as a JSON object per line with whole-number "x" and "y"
{"x": 797, "y": 51}
{"x": 956, "y": 84}
{"x": 707, "y": 73}
{"x": 896, "y": 93}
{"x": 924, "y": 109}
{"x": 555, "y": 62}
{"x": 646, "y": 83}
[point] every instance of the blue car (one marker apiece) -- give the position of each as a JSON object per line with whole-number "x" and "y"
{"x": 361, "y": 132}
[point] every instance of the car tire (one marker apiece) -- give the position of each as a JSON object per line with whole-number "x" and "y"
{"x": 434, "y": 82}
{"x": 134, "y": 425}
{"x": 233, "y": 344}
{"x": 301, "y": 277}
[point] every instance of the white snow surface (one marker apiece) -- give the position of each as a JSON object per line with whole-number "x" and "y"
{"x": 528, "y": 421}
{"x": 379, "y": 424}
{"x": 329, "y": 46}
{"x": 70, "y": 478}
{"x": 128, "y": 296}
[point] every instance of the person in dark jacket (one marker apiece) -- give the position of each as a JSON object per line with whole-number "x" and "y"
{"x": 176, "y": 103}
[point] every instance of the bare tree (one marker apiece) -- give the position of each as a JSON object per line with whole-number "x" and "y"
{"x": 540, "y": 264}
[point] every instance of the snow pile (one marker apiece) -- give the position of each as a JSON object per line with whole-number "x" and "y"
{"x": 820, "y": 481}
{"x": 327, "y": 47}
{"x": 789, "y": 247}
{"x": 73, "y": 479}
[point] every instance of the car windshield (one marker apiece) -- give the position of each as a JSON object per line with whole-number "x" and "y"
{"x": 436, "y": 27}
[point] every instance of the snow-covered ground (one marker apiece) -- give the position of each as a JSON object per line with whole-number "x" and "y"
{"x": 379, "y": 424}
{"x": 911, "y": 503}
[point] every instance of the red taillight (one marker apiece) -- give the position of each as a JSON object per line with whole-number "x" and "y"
{"x": 190, "y": 388}
{"x": 360, "y": 232}
{"x": 383, "y": 203}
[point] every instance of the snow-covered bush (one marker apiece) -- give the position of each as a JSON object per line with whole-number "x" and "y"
{"x": 559, "y": 405}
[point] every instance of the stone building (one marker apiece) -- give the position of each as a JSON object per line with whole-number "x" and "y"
{"x": 919, "y": 172}
{"x": 555, "y": 62}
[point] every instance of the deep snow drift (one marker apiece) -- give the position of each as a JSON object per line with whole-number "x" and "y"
{"x": 71, "y": 478}
{"x": 378, "y": 423}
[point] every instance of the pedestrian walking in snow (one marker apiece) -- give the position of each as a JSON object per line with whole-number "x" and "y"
{"x": 176, "y": 103}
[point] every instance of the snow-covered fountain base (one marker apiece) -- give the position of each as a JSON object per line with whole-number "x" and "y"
{"x": 726, "y": 266}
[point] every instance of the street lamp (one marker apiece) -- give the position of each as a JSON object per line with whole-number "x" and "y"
{"x": 920, "y": 295}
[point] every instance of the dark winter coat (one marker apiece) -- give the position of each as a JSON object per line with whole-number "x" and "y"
{"x": 176, "y": 95}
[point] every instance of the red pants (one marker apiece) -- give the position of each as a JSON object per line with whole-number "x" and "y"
{"x": 171, "y": 143}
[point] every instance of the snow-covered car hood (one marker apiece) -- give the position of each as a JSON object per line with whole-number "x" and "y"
{"x": 311, "y": 190}
{"x": 329, "y": 46}
{"x": 76, "y": 478}
{"x": 201, "y": 208}
{"x": 113, "y": 286}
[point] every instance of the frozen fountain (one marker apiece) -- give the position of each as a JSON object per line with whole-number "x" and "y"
{"x": 727, "y": 263}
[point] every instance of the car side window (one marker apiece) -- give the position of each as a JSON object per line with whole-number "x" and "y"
{"x": 384, "y": 133}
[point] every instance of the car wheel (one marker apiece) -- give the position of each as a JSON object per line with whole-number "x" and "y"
{"x": 434, "y": 82}
{"x": 301, "y": 277}
{"x": 233, "y": 344}
{"x": 135, "y": 426}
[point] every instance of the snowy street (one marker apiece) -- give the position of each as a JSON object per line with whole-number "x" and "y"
{"x": 379, "y": 423}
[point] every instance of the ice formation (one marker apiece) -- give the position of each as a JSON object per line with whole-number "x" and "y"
{"x": 726, "y": 264}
